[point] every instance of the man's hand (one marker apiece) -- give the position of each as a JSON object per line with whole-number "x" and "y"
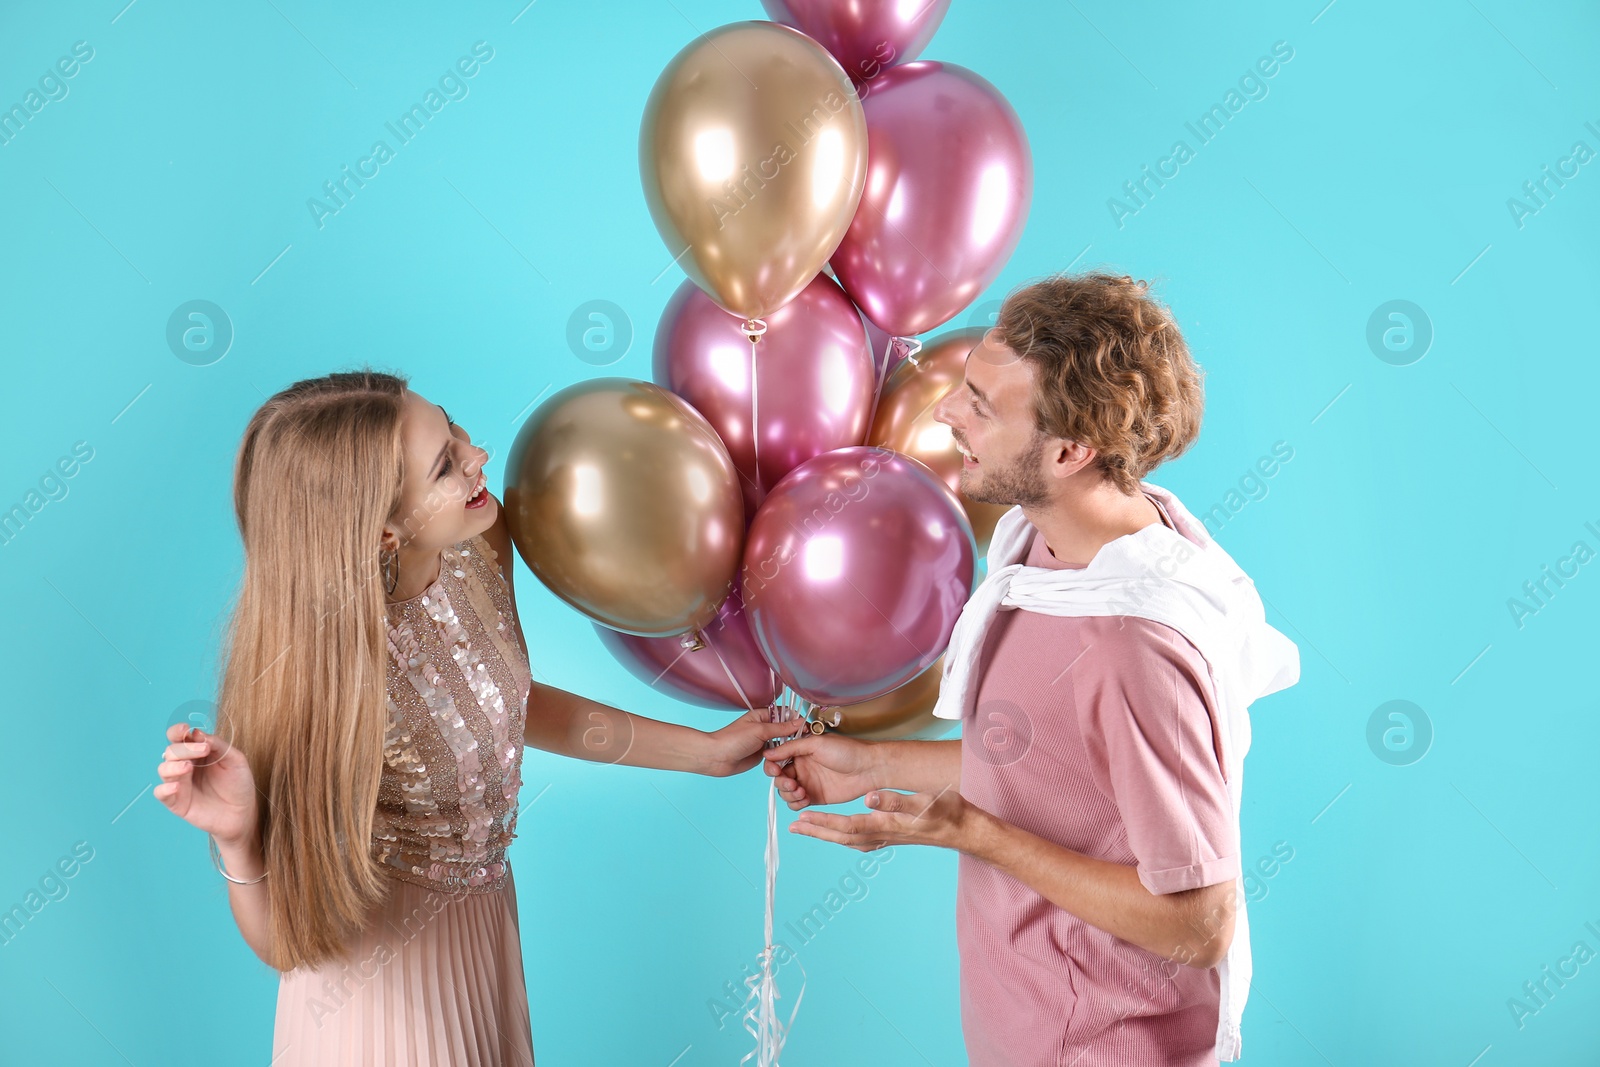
{"x": 944, "y": 819}
{"x": 822, "y": 769}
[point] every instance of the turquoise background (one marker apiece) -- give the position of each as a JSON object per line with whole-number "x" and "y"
{"x": 1419, "y": 499}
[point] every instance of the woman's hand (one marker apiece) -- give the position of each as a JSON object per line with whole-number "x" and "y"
{"x": 215, "y": 793}
{"x": 823, "y": 769}
{"x": 738, "y": 746}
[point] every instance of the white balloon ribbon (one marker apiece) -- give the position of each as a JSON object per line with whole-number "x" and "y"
{"x": 760, "y": 1009}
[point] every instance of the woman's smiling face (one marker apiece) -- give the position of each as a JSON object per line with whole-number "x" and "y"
{"x": 444, "y": 498}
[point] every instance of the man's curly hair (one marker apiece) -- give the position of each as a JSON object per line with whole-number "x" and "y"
{"x": 1112, "y": 370}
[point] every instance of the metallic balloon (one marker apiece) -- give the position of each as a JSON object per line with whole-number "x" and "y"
{"x": 901, "y": 714}
{"x": 905, "y": 419}
{"x": 865, "y": 36}
{"x": 622, "y": 499}
{"x": 814, "y": 375}
{"x": 855, "y": 570}
{"x": 752, "y": 152}
{"x": 948, "y": 187}
{"x": 727, "y": 672}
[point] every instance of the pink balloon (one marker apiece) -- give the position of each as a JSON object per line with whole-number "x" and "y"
{"x": 865, "y": 36}
{"x": 815, "y": 378}
{"x": 698, "y": 677}
{"x": 855, "y": 570}
{"x": 949, "y": 180}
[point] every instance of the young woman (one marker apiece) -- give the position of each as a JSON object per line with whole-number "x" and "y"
{"x": 362, "y": 785}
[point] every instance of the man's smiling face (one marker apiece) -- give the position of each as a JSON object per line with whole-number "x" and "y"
{"x": 991, "y": 417}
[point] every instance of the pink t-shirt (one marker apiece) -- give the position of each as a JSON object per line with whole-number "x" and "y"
{"x": 1096, "y": 733}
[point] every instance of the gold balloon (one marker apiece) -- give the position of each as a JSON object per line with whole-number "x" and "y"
{"x": 905, "y": 422}
{"x": 899, "y": 714}
{"x": 622, "y": 499}
{"x": 753, "y": 154}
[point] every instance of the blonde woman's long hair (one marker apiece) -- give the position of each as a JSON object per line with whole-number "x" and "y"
{"x": 303, "y": 692}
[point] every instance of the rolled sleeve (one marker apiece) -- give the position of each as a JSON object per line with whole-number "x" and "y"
{"x": 1148, "y": 720}
{"x": 1174, "y": 879}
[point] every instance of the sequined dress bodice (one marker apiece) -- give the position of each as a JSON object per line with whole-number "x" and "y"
{"x": 458, "y": 684}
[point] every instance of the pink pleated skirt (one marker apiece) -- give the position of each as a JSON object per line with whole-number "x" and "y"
{"x": 436, "y": 981}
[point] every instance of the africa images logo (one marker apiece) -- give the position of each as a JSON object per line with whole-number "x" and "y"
{"x": 452, "y": 85}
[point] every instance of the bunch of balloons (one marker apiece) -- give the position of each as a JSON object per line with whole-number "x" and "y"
{"x": 776, "y": 519}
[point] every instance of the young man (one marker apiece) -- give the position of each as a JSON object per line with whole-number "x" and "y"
{"x": 1102, "y": 673}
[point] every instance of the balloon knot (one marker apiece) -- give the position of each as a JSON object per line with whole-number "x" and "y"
{"x": 824, "y": 719}
{"x": 909, "y": 347}
{"x": 753, "y": 329}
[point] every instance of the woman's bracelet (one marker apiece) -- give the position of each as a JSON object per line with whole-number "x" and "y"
{"x": 216, "y": 861}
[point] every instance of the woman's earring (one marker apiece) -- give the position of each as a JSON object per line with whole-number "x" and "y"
{"x": 391, "y": 569}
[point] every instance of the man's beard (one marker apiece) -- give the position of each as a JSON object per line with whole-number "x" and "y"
{"x": 1018, "y": 482}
